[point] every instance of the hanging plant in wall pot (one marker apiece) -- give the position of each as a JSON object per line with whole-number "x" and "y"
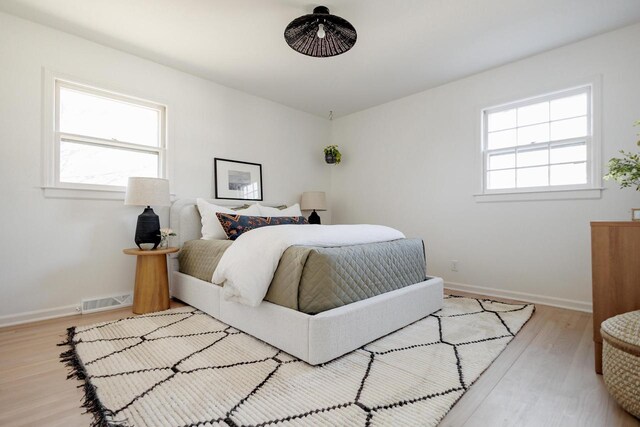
{"x": 332, "y": 155}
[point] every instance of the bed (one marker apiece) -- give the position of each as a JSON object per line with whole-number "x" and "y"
{"x": 309, "y": 311}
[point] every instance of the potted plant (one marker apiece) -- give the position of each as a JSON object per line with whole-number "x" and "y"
{"x": 332, "y": 154}
{"x": 165, "y": 233}
{"x": 626, "y": 170}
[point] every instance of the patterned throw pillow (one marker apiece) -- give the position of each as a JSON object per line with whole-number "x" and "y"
{"x": 235, "y": 225}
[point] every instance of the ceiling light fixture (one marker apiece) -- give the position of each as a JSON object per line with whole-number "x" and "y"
{"x": 320, "y": 34}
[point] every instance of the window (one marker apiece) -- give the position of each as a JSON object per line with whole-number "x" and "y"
{"x": 540, "y": 144}
{"x": 102, "y": 138}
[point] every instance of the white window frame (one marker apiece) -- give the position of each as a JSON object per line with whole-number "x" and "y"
{"x": 591, "y": 190}
{"x": 52, "y": 137}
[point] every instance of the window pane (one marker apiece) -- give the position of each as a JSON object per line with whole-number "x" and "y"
{"x": 501, "y": 120}
{"x": 532, "y": 114}
{"x": 502, "y": 139}
{"x": 91, "y": 115}
{"x": 574, "y": 173}
{"x": 533, "y": 177}
{"x": 502, "y": 161}
{"x": 533, "y": 157}
{"x": 569, "y": 153}
{"x": 501, "y": 179}
{"x": 571, "y": 128}
{"x": 533, "y": 134}
{"x": 90, "y": 164}
{"x": 572, "y": 106}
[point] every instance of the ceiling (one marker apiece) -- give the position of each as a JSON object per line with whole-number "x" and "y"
{"x": 403, "y": 46}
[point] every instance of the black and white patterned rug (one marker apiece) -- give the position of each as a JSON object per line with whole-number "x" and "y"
{"x": 182, "y": 367}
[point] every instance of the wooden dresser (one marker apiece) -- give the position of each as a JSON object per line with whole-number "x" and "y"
{"x": 615, "y": 263}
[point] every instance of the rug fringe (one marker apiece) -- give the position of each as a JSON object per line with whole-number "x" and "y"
{"x": 102, "y": 417}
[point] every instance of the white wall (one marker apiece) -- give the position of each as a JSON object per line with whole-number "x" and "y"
{"x": 410, "y": 164}
{"x": 58, "y": 251}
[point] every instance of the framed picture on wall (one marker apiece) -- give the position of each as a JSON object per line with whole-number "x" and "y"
{"x": 236, "y": 180}
{"x": 635, "y": 214}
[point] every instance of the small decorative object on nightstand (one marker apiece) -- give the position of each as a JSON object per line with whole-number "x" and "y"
{"x": 316, "y": 201}
{"x": 147, "y": 192}
{"x": 151, "y": 291}
{"x": 165, "y": 233}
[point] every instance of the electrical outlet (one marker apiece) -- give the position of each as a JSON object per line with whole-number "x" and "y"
{"x": 454, "y": 265}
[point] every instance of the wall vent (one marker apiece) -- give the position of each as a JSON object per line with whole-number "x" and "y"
{"x": 106, "y": 303}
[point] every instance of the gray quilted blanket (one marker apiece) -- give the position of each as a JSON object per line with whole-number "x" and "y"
{"x": 314, "y": 279}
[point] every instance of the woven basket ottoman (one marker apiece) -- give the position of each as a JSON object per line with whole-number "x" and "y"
{"x": 621, "y": 359}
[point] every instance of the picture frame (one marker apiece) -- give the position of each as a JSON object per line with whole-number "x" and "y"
{"x": 237, "y": 180}
{"x": 635, "y": 214}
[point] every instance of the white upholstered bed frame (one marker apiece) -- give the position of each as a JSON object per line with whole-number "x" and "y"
{"x": 313, "y": 338}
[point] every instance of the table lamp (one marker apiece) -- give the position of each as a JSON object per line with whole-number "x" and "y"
{"x": 147, "y": 192}
{"x": 316, "y": 201}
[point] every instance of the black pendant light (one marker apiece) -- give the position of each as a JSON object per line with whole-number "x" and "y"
{"x": 320, "y": 34}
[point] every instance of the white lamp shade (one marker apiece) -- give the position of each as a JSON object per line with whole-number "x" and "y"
{"x": 313, "y": 200}
{"x": 147, "y": 192}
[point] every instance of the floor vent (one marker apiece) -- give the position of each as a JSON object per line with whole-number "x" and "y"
{"x": 107, "y": 303}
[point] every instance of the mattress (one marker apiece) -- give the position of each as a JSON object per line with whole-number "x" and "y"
{"x": 315, "y": 279}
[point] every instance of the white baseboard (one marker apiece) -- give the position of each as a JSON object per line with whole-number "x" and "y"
{"x": 34, "y": 316}
{"x": 52, "y": 313}
{"x": 521, "y": 296}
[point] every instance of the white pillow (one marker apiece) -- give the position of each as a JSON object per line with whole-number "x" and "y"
{"x": 211, "y": 228}
{"x": 273, "y": 212}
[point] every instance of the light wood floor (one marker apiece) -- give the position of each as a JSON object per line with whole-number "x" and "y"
{"x": 545, "y": 377}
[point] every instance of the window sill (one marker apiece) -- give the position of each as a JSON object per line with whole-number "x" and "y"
{"x": 525, "y": 196}
{"x": 85, "y": 194}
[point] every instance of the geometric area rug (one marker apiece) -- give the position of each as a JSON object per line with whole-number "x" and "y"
{"x": 182, "y": 367}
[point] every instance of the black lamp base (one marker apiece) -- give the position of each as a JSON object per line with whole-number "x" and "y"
{"x": 148, "y": 228}
{"x": 314, "y": 218}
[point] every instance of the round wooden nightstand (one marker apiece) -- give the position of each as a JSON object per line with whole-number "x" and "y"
{"x": 152, "y": 285}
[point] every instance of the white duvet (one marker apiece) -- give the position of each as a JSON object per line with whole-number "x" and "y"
{"x": 246, "y": 269}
